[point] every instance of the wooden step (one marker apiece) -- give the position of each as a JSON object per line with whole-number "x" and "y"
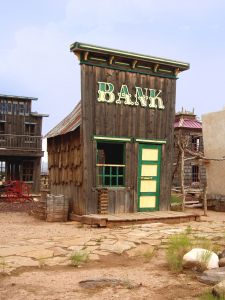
{"x": 192, "y": 202}
{"x": 193, "y": 205}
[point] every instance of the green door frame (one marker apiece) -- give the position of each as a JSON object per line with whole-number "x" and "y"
{"x": 157, "y": 178}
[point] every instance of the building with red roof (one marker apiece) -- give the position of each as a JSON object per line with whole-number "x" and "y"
{"x": 188, "y": 126}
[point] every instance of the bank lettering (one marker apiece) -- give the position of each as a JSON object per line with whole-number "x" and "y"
{"x": 144, "y": 97}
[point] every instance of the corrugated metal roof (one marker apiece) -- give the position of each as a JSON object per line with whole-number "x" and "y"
{"x": 70, "y": 123}
{"x": 188, "y": 123}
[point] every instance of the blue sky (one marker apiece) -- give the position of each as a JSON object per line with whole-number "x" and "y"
{"x": 36, "y": 35}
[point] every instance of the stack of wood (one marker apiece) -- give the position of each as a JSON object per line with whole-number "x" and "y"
{"x": 103, "y": 200}
{"x": 64, "y": 159}
{"x": 40, "y": 210}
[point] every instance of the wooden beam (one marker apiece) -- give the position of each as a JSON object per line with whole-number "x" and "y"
{"x": 133, "y": 65}
{"x": 86, "y": 55}
{"x": 156, "y": 66}
{"x": 111, "y": 59}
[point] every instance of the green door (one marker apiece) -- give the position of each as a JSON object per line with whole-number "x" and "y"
{"x": 149, "y": 177}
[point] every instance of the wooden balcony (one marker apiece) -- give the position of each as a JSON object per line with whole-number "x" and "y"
{"x": 20, "y": 142}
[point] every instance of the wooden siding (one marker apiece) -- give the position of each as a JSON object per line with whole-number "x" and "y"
{"x": 65, "y": 168}
{"x": 120, "y": 120}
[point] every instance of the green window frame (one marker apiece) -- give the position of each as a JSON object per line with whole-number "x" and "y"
{"x": 110, "y": 164}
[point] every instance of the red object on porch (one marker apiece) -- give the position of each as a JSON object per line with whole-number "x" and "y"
{"x": 15, "y": 191}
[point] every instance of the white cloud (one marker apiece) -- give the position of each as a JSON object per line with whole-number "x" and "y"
{"x": 42, "y": 65}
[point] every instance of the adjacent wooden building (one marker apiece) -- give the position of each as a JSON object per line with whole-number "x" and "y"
{"x": 187, "y": 126}
{"x": 20, "y": 140}
{"x": 114, "y": 152}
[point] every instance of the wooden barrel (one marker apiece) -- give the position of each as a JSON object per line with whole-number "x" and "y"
{"x": 57, "y": 208}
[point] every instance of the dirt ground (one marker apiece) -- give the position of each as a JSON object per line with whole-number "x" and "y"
{"x": 141, "y": 281}
{"x": 121, "y": 276}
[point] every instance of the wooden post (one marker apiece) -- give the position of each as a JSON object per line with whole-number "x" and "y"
{"x": 205, "y": 199}
{"x": 182, "y": 179}
{"x": 182, "y": 144}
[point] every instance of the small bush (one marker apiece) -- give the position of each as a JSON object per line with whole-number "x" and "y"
{"x": 148, "y": 255}
{"x": 203, "y": 242}
{"x": 188, "y": 229}
{"x": 209, "y": 296}
{"x": 178, "y": 245}
{"x": 79, "y": 257}
{"x": 175, "y": 199}
{"x": 204, "y": 259}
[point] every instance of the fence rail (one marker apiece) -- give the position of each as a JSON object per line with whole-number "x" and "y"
{"x": 11, "y": 141}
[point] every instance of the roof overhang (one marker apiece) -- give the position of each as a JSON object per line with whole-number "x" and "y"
{"x": 128, "y": 61}
{"x": 18, "y": 97}
{"x": 70, "y": 123}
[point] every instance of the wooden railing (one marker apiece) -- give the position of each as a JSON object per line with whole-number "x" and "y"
{"x": 11, "y": 141}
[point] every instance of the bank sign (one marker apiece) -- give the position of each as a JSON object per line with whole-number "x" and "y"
{"x": 145, "y": 97}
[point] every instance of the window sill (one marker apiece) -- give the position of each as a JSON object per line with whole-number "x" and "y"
{"x": 110, "y": 188}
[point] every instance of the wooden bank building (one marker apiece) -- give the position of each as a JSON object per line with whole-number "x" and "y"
{"x": 114, "y": 152}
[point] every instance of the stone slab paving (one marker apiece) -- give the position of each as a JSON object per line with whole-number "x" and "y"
{"x": 56, "y": 249}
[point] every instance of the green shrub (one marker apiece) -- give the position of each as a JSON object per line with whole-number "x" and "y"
{"x": 188, "y": 229}
{"x": 204, "y": 259}
{"x": 148, "y": 255}
{"x": 178, "y": 245}
{"x": 79, "y": 257}
{"x": 209, "y": 296}
{"x": 203, "y": 242}
{"x": 175, "y": 199}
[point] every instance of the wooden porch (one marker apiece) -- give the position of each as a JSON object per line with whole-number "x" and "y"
{"x": 110, "y": 220}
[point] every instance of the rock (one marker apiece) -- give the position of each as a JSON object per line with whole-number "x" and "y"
{"x": 55, "y": 261}
{"x": 106, "y": 282}
{"x": 93, "y": 256}
{"x": 172, "y": 231}
{"x": 138, "y": 234}
{"x": 152, "y": 242}
{"x": 200, "y": 259}
{"x": 40, "y": 254}
{"x": 91, "y": 243}
{"x": 219, "y": 290}
{"x": 91, "y": 249}
{"x": 100, "y": 252}
{"x": 212, "y": 276}
{"x": 119, "y": 247}
{"x": 20, "y": 261}
{"x": 79, "y": 241}
{"x": 222, "y": 262}
{"x": 142, "y": 250}
{"x": 58, "y": 251}
{"x": 222, "y": 254}
{"x": 16, "y": 250}
{"x": 76, "y": 248}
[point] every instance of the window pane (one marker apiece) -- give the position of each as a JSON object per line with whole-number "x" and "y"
{"x": 28, "y": 170}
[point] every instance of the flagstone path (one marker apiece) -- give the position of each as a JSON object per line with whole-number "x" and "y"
{"x": 27, "y": 242}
